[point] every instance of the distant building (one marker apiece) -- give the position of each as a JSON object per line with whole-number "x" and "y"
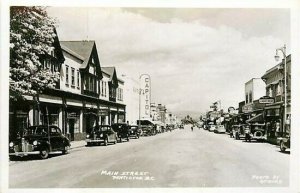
{"x": 162, "y": 110}
{"x": 154, "y": 112}
{"x": 131, "y": 99}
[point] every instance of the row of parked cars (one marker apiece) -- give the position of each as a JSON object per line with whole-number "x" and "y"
{"x": 249, "y": 133}
{"x": 43, "y": 140}
{"x": 215, "y": 128}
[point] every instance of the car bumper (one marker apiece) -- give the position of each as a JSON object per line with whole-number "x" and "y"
{"x": 94, "y": 140}
{"x": 21, "y": 154}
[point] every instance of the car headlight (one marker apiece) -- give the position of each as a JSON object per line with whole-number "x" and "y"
{"x": 87, "y": 136}
{"x": 11, "y": 144}
{"x": 101, "y": 135}
{"x": 35, "y": 143}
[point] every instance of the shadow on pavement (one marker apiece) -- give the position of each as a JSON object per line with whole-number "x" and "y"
{"x": 284, "y": 152}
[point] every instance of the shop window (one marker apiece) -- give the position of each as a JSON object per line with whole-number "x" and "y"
{"x": 277, "y": 112}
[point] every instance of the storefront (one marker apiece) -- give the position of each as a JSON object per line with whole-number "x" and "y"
{"x": 73, "y": 124}
{"x": 273, "y": 119}
{"x": 49, "y": 114}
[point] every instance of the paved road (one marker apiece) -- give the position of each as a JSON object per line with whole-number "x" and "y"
{"x": 181, "y": 158}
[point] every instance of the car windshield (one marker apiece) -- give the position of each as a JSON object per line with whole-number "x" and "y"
{"x": 104, "y": 128}
{"x": 36, "y": 131}
{"x": 133, "y": 127}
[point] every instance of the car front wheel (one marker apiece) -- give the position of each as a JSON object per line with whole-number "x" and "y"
{"x": 105, "y": 142}
{"x": 44, "y": 153}
{"x": 66, "y": 150}
{"x": 282, "y": 147}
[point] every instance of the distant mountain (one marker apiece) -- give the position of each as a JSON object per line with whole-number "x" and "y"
{"x": 194, "y": 114}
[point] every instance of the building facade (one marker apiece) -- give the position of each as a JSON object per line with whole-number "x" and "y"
{"x": 274, "y": 87}
{"x": 85, "y": 95}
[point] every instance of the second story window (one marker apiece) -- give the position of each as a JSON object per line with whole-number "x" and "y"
{"x": 279, "y": 89}
{"x": 91, "y": 84}
{"x": 67, "y": 75}
{"x": 78, "y": 79}
{"x": 105, "y": 89}
{"x": 101, "y": 88}
{"x": 250, "y": 97}
{"x": 73, "y": 77}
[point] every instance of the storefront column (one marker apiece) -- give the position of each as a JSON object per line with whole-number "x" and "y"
{"x": 31, "y": 115}
{"x": 60, "y": 118}
{"x": 81, "y": 122}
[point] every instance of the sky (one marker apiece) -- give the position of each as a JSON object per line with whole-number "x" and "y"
{"x": 195, "y": 56}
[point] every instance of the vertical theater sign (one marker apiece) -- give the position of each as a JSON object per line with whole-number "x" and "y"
{"x": 145, "y": 85}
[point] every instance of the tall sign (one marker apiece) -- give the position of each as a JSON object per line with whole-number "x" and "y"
{"x": 145, "y": 94}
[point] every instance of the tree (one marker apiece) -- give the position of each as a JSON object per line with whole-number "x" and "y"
{"x": 32, "y": 36}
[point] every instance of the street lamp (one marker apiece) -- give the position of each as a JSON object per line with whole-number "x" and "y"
{"x": 140, "y": 95}
{"x": 283, "y": 50}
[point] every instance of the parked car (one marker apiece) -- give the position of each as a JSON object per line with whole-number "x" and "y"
{"x": 122, "y": 130}
{"x": 134, "y": 131}
{"x": 39, "y": 140}
{"x": 255, "y": 132}
{"x": 101, "y": 134}
{"x": 169, "y": 128}
{"x": 238, "y": 131}
{"x": 147, "y": 130}
{"x": 212, "y": 128}
{"x": 284, "y": 143}
{"x": 220, "y": 129}
{"x": 181, "y": 126}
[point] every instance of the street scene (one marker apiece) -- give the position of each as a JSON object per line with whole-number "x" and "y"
{"x": 149, "y": 97}
{"x": 180, "y": 158}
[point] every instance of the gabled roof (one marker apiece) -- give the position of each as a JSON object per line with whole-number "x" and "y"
{"x": 58, "y": 48}
{"x": 83, "y": 50}
{"x": 108, "y": 70}
{"x": 111, "y": 71}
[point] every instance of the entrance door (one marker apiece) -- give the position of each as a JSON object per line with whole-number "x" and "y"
{"x": 71, "y": 128}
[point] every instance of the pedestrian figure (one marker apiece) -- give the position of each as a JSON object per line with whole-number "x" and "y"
{"x": 192, "y": 128}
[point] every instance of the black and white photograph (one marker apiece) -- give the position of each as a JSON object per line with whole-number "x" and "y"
{"x": 150, "y": 97}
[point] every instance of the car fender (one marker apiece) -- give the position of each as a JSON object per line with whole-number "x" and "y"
{"x": 42, "y": 144}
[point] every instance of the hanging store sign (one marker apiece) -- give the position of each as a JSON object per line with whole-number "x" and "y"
{"x": 247, "y": 109}
{"x": 145, "y": 94}
{"x": 266, "y": 100}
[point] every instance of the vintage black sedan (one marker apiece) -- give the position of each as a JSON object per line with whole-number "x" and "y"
{"x": 134, "y": 131}
{"x": 101, "y": 134}
{"x": 39, "y": 140}
{"x": 122, "y": 131}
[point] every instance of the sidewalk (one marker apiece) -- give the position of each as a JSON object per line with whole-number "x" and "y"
{"x": 77, "y": 144}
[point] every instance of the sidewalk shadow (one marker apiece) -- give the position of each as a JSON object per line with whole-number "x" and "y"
{"x": 284, "y": 152}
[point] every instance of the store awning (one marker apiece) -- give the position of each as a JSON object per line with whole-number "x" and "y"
{"x": 145, "y": 122}
{"x": 256, "y": 119}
